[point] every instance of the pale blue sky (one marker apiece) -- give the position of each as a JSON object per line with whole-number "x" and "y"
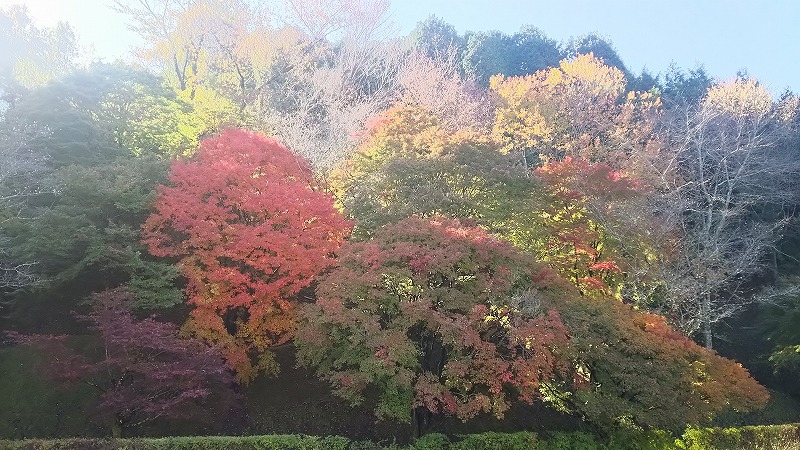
{"x": 725, "y": 35}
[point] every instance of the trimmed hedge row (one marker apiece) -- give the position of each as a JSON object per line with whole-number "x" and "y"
{"x": 269, "y": 442}
{"x": 772, "y": 437}
{"x": 769, "y": 437}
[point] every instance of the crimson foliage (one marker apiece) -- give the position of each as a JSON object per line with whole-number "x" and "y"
{"x": 251, "y": 231}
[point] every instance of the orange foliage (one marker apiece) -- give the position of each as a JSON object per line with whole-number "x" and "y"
{"x": 251, "y": 232}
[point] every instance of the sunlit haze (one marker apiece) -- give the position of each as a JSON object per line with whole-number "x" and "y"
{"x": 722, "y": 35}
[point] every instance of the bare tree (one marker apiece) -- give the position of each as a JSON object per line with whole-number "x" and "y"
{"x": 359, "y": 21}
{"x": 329, "y": 98}
{"x": 725, "y": 189}
{"x": 341, "y": 86}
{"x": 437, "y": 85}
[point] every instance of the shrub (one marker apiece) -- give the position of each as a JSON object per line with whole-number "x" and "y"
{"x": 777, "y": 437}
{"x": 497, "y": 441}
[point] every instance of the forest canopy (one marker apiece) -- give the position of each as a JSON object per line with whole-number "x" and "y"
{"x": 431, "y": 226}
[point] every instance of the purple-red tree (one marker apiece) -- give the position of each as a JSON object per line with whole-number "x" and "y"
{"x": 143, "y": 369}
{"x": 251, "y": 230}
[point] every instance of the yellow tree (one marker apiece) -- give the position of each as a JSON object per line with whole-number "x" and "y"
{"x": 577, "y": 109}
{"x": 189, "y": 40}
{"x": 578, "y": 117}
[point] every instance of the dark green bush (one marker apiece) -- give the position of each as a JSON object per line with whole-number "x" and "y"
{"x": 638, "y": 439}
{"x": 432, "y": 441}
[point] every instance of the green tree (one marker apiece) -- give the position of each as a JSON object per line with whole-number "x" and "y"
{"x": 413, "y": 164}
{"x": 103, "y": 152}
{"x": 532, "y": 50}
{"x": 88, "y": 229}
{"x": 681, "y": 87}
{"x": 491, "y": 53}
{"x": 437, "y": 39}
{"x": 601, "y": 48}
{"x": 486, "y": 54}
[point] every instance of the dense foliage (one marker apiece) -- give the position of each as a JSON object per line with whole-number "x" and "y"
{"x": 250, "y": 232}
{"x": 449, "y": 230}
{"x": 437, "y": 316}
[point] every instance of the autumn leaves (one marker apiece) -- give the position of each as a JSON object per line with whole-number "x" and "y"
{"x": 469, "y": 281}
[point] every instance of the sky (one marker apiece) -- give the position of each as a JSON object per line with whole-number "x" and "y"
{"x": 724, "y": 36}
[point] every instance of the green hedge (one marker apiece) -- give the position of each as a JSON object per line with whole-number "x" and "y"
{"x": 768, "y": 437}
{"x": 272, "y": 442}
{"x": 772, "y": 437}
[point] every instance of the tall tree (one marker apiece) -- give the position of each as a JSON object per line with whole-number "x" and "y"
{"x": 251, "y": 230}
{"x": 682, "y": 87}
{"x": 181, "y": 31}
{"x": 601, "y": 48}
{"x": 532, "y": 51}
{"x": 727, "y": 194}
{"x": 486, "y": 54}
{"x": 523, "y": 53}
{"x": 437, "y": 39}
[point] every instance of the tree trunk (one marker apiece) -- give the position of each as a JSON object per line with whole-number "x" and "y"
{"x": 116, "y": 427}
{"x": 422, "y": 418}
{"x": 432, "y": 360}
{"x": 706, "y": 311}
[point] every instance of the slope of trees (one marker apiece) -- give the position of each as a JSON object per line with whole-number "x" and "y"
{"x": 471, "y": 226}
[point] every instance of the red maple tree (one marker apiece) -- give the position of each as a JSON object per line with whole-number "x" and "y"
{"x": 252, "y": 229}
{"x": 581, "y": 196}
